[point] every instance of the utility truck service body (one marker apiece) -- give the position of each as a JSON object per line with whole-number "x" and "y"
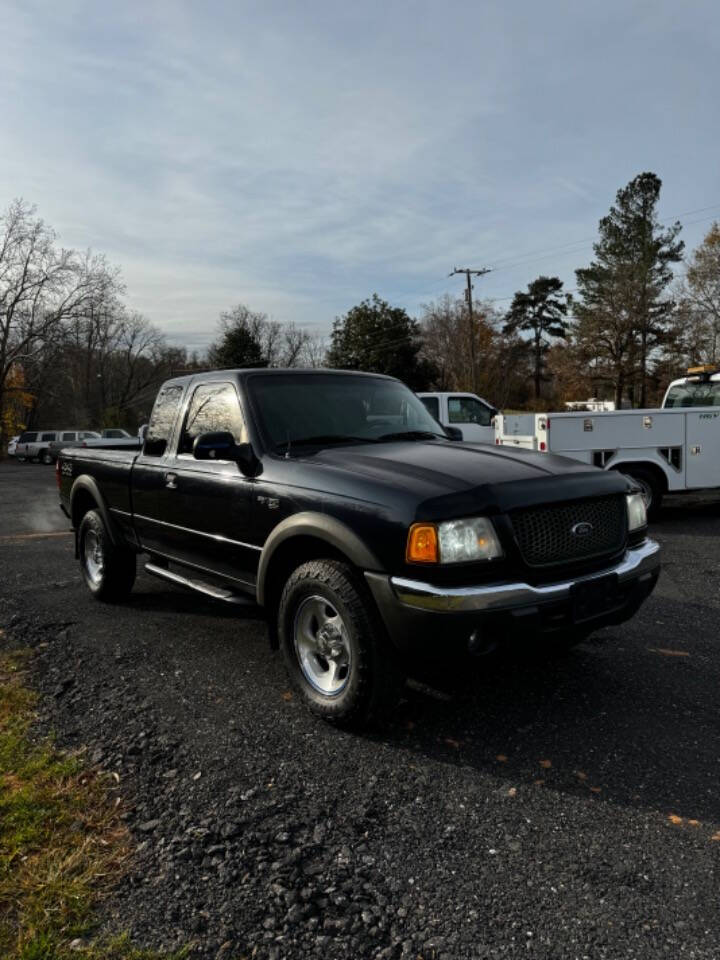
{"x": 665, "y": 450}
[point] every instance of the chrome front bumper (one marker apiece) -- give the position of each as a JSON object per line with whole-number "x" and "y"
{"x": 640, "y": 560}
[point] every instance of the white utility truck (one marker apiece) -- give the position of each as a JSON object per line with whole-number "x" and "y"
{"x": 470, "y": 413}
{"x": 668, "y": 450}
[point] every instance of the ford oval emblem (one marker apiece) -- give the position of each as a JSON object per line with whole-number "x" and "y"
{"x": 583, "y": 529}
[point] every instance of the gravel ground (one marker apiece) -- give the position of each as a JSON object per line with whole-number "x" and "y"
{"x": 528, "y": 808}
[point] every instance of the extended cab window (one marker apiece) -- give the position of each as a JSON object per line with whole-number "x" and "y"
{"x": 432, "y": 405}
{"x": 469, "y": 410}
{"x": 162, "y": 420}
{"x": 213, "y": 408}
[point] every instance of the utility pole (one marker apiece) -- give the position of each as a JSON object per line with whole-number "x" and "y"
{"x": 471, "y": 318}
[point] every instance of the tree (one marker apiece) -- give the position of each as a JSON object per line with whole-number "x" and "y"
{"x": 41, "y": 289}
{"x": 541, "y": 311}
{"x": 622, "y": 317}
{"x": 376, "y": 337}
{"x": 249, "y": 338}
{"x": 240, "y": 343}
{"x": 700, "y": 298}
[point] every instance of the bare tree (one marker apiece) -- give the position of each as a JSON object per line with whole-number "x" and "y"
{"x": 41, "y": 288}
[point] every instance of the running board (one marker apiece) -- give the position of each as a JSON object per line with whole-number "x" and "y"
{"x": 200, "y": 586}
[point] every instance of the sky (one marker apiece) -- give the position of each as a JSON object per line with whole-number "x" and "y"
{"x": 297, "y": 157}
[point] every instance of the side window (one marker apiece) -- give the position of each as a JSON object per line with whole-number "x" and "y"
{"x": 48, "y": 436}
{"x": 214, "y": 407}
{"x": 469, "y": 410}
{"x": 114, "y": 434}
{"x": 432, "y": 405}
{"x": 68, "y": 436}
{"x": 28, "y": 438}
{"x": 162, "y": 420}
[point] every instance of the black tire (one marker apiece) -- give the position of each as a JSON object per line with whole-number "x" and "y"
{"x": 651, "y": 488}
{"x": 21, "y": 459}
{"x": 108, "y": 571}
{"x": 45, "y": 457}
{"x": 369, "y": 679}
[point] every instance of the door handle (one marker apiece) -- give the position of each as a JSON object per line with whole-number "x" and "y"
{"x": 171, "y": 481}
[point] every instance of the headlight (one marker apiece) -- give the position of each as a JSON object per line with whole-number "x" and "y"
{"x": 636, "y": 511}
{"x": 456, "y": 541}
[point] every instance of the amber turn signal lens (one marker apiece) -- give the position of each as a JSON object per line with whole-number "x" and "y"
{"x": 422, "y": 545}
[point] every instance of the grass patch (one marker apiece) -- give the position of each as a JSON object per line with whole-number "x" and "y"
{"x": 62, "y": 842}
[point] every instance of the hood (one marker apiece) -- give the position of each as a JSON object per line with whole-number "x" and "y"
{"x": 446, "y": 475}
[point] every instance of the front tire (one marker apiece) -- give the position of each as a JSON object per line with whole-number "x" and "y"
{"x": 45, "y": 457}
{"x": 651, "y": 489}
{"x": 108, "y": 571}
{"x": 338, "y": 657}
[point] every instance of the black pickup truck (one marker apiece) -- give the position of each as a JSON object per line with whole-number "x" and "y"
{"x": 363, "y": 528}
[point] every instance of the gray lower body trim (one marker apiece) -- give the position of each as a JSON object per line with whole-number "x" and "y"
{"x": 200, "y": 533}
{"x": 637, "y": 561}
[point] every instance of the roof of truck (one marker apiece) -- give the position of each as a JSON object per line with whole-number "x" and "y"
{"x": 244, "y": 373}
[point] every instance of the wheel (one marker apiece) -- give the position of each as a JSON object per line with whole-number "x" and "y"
{"x": 338, "y": 657}
{"x": 651, "y": 488}
{"x": 21, "y": 459}
{"x": 109, "y": 571}
{"x": 45, "y": 457}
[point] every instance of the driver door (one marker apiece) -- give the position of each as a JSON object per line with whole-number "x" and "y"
{"x": 209, "y": 502}
{"x": 473, "y": 417}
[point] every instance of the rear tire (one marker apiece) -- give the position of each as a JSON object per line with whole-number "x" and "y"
{"x": 108, "y": 571}
{"x": 45, "y": 457}
{"x": 338, "y": 657}
{"x": 651, "y": 486}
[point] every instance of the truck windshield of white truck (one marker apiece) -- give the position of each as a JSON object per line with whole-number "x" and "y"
{"x": 690, "y": 394}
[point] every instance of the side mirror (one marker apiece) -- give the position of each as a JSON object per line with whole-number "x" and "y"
{"x": 454, "y": 433}
{"x": 222, "y": 446}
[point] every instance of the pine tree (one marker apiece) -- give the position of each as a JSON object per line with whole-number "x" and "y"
{"x": 622, "y": 316}
{"x": 541, "y": 311}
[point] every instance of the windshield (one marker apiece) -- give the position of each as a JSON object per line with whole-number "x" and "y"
{"x": 694, "y": 395}
{"x": 322, "y": 409}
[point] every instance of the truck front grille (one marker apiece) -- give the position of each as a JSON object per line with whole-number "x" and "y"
{"x": 565, "y": 532}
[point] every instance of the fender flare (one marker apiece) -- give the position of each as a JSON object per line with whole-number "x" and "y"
{"x": 87, "y": 484}
{"x": 321, "y": 527}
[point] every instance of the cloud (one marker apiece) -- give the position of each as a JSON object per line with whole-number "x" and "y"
{"x": 298, "y": 158}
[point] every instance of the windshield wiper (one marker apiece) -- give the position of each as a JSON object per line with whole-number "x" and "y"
{"x": 413, "y": 435}
{"x": 321, "y": 440}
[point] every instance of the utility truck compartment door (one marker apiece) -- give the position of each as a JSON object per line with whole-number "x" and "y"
{"x": 646, "y": 429}
{"x": 702, "y": 451}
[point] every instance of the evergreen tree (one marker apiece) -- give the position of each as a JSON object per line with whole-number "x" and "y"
{"x": 376, "y": 337}
{"x": 239, "y": 344}
{"x": 622, "y": 316}
{"x": 541, "y": 311}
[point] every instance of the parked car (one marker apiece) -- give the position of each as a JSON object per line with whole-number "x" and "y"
{"x": 364, "y": 540}
{"x": 12, "y": 445}
{"x": 35, "y": 445}
{"x": 70, "y": 438}
{"x": 472, "y": 414}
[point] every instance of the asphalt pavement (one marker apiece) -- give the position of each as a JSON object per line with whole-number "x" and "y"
{"x": 536, "y": 807}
